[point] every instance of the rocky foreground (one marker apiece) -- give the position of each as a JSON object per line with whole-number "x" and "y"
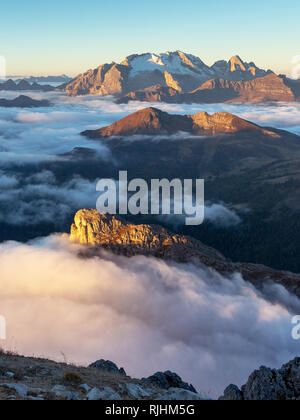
{"x": 34, "y": 379}
{"x": 23, "y": 378}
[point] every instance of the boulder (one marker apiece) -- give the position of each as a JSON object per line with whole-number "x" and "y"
{"x": 168, "y": 379}
{"x": 108, "y": 366}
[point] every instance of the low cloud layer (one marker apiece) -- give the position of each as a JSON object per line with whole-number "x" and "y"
{"x": 32, "y": 136}
{"x": 40, "y": 198}
{"x": 142, "y": 313}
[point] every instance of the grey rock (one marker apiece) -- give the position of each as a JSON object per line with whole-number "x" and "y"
{"x": 108, "y": 366}
{"x": 109, "y": 394}
{"x": 179, "y": 394}
{"x": 137, "y": 392}
{"x": 84, "y": 387}
{"x": 94, "y": 395}
{"x": 265, "y": 384}
{"x": 60, "y": 391}
{"x": 232, "y": 393}
{"x": 268, "y": 384}
{"x": 20, "y": 389}
{"x": 72, "y": 396}
{"x": 166, "y": 380}
{"x": 10, "y": 375}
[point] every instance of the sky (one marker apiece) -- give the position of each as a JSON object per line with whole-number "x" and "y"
{"x": 41, "y": 38}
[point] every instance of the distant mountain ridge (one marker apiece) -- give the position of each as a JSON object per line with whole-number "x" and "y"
{"x": 152, "y": 121}
{"x": 23, "y": 101}
{"x": 11, "y": 85}
{"x": 184, "y": 72}
{"x": 40, "y": 79}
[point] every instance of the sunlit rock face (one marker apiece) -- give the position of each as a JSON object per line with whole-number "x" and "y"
{"x": 93, "y": 228}
{"x": 98, "y": 231}
{"x": 175, "y": 69}
{"x": 152, "y": 121}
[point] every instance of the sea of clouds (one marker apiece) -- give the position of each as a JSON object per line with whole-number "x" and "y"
{"x": 142, "y": 313}
{"x": 33, "y": 136}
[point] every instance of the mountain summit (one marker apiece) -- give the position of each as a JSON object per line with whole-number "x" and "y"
{"x": 140, "y": 71}
{"x": 152, "y": 121}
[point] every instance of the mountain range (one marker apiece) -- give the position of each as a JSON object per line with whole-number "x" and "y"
{"x": 11, "y": 85}
{"x": 152, "y": 121}
{"x": 184, "y": 78}
{"x": 23, "y": 101}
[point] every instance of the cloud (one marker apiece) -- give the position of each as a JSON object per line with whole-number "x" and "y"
{"x": 40, "y": 198}
{"x": 220, "y": 215}
{"x": 38, "y": 135}
{"x": 41, "y": 133}
{"x": 143, "y": 313}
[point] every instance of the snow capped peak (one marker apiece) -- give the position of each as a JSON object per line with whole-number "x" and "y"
{"x": 173, "y": 62}
{"x": 180, "y": 64}
{"x": 156, "y": 59}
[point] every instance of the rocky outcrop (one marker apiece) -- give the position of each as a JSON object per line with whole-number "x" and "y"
{"x": 27, "y": 378}
{"x": 108, "y": 366}
{"x": 152, "y": 121}
{"x": 109, "y": 232}
{"x": 178, "y": 70}
{"x": 167, "y": 380}
{"x": 269, "y": 384}
{"x": 23, "y": 102}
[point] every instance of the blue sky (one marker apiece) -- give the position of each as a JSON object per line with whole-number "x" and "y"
{"x": 54, "y": 37}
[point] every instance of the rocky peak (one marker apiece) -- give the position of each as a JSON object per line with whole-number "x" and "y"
{"x": 23, "y": 101}
{"x": 268, "y": 384}
{"x": 152, "y": 121}
{"x": 236, "y": 64}
{"x": 98, "y": 231}
{"x": 224, "y": 122}
{"x": 141, "y": 71}
{"x": 148, "y": 121}
{"x": 8, "y": 85}
{"x": 104, "y": 230}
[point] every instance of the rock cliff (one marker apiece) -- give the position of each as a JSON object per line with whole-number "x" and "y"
{"x": 98, "y": 231}
{"x": 268, "y": 384}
